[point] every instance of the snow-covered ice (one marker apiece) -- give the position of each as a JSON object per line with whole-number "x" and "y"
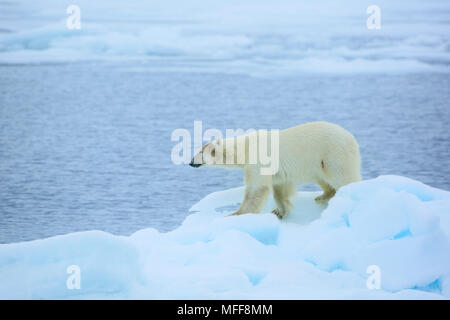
{"x": 398, "y": 224}
{"x": 262, "y": 37}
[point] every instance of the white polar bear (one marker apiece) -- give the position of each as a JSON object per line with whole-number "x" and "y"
{"x": 316, "y": 152}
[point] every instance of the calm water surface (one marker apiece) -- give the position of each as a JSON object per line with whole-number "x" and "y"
{"x": 87, "y": 146}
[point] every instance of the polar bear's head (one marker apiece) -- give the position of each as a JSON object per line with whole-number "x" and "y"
{"x": 252, "y": 149}
{"x": 212, "y": 154}
{"x": 208, "y": 154}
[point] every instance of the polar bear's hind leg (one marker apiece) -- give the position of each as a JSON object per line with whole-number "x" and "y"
{"x": 328, "y": 192}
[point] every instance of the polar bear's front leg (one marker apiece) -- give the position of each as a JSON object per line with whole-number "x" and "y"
{"x": 254, "y": 200}
{"x": 281, "y": 194}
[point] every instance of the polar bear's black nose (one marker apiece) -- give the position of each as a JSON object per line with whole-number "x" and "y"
{"x": 195, "y": 165}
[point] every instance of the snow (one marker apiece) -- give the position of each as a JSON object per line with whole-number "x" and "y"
{"x": 286, "y": 37}
{"x": 397, "y": 224}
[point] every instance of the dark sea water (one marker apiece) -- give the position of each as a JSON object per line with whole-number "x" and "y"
{"x": 88, "y": 146}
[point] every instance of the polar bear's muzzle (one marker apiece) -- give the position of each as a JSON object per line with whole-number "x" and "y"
{"x": 193, "y": 164}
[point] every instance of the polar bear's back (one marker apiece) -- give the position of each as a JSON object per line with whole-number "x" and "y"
{"x": 320, "y": 150}
{"x": 318, "y": 134}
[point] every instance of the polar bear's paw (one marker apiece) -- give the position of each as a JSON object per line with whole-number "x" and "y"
{"x": 279, "y": 213}
{"x": 323, "y": 199}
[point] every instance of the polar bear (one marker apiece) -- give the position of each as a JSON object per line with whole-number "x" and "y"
{"x": 317, "y": 152}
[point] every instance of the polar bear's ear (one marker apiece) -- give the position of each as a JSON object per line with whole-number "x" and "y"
{"x": 219, "y": 141}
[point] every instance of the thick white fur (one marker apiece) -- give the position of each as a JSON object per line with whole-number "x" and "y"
{"x": 318, "y": 152}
